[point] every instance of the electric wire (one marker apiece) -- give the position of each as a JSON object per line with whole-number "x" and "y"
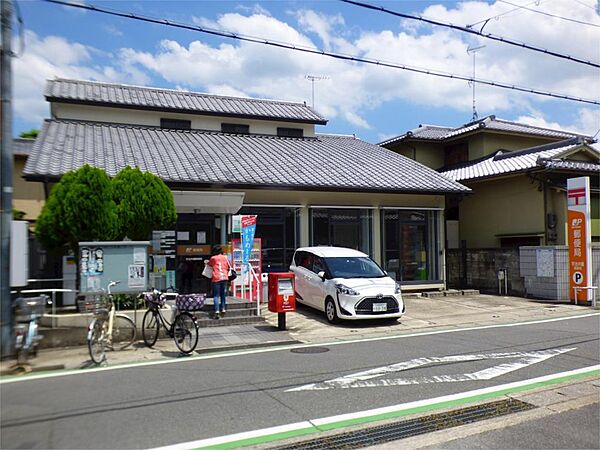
{"x": 585, "y": 4}
{"x": 316, "y": 51}
{"x": 581, "y": 22}
{"x": 470, "y": 31}
{"x": 497, "y": 16}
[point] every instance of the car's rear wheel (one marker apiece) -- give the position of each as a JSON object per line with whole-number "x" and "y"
{"x": 330, "y": 311}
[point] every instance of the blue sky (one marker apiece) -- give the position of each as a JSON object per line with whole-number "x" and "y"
{"x": 372, "y": 102}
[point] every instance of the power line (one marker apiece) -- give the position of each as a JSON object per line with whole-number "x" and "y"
{"x": 497, "y": 16}
{"x": 581, "y": 22}
{"x": 315, "y": 51}
{"x": 470, "y": 31}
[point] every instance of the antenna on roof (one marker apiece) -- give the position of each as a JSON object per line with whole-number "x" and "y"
{"x": 312, "y": 79}
{"x": 474, "y": 50}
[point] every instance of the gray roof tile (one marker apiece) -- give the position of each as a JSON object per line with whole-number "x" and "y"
{"x": 328, "y": 162}
{"x": 430, "y": 132}
{"x": 544, "y": 156}
{"x": 119, "y": 95}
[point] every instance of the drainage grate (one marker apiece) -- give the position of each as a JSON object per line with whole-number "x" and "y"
{"x": 310, "y": 350}
{"x": 413, "y": 427}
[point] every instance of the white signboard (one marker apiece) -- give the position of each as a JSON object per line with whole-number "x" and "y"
{"x": 544, "y": 258}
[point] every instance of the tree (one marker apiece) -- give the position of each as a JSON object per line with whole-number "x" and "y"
{"x": 144, "y": 203}
{"x": 31, "y": 134}
{"x": 79, "y": 208}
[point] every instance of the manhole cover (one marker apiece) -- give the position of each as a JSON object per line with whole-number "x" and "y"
{"x": 310, "y": 350}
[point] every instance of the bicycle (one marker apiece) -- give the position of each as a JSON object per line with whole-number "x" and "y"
{"x": 27, "y": 313}
{"x": 108, "y": 329}
{"x": 183, "y": 329}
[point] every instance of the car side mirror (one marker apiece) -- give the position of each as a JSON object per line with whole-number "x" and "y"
{"x": 321, "y": 275}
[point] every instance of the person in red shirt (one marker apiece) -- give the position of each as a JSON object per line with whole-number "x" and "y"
{"x": 220, "y": 265}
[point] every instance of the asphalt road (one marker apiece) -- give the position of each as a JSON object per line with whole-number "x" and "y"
{"x": 578, "y": 428}
{"x": 162, "y": 404}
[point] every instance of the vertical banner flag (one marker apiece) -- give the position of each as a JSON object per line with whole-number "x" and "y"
{"x": 248, "y": 230}
{"x": 579, "y": 238}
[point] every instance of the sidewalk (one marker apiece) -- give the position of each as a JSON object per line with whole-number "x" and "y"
{"x": 309, "y": 326}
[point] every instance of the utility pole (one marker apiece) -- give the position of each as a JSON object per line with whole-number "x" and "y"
{"x": 312, "y": 79}
{"x": 474, "y": 50}
{"x": 6, "y": 170}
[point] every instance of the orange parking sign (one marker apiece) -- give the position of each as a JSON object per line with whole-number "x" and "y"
{"x": 579, "y": 239}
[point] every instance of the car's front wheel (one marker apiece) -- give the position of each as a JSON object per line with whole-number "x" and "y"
{"x": 330, "y": 311}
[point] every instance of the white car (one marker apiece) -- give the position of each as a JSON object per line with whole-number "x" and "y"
{"x": 345, "y": 284}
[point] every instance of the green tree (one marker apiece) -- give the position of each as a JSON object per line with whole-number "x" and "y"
{"x": 31, "y": 134}
{"x": 144, "y": 203}
{"x": 79, "y": 208}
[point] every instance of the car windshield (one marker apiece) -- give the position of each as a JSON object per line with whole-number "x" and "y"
{"x": 354, "y": 267}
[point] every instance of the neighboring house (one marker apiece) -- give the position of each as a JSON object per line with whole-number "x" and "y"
{"x": 517, "y": 174}
{"x": 228, "y": 155}
{"x": 28, "y": 198}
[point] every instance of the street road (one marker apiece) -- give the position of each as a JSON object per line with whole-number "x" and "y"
{"x": 215, "y": 395}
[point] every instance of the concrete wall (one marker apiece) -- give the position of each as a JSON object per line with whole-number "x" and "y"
{"x": 152, "y": 118}
{"x": 508, "y": 205}
{"x": 478, "y": 269}
{"x": 555, "y": 287}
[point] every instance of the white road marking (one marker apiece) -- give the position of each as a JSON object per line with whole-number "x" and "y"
{"x": 225, "y": 354}
{"x": 341, "y": 420}
{"x": 364, "y": 379}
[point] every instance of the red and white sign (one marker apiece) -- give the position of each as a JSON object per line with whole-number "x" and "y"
{"x": 579, "y": 238}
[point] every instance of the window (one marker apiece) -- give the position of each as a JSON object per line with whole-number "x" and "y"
{"x": 410, "y": 245}
{"x": 290, "y": 132}
{"x": 318, "y": 265}
{"x": 455, "y": 154}
{"x": 278, "y": 227}
{"x": 351, "y": 228}
{"x": 235, "y": 128}
{"x": 176, "y": 124}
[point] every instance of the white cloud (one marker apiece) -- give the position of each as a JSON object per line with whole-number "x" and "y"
{"x": 587, "y": 122}
{"x": 51, "y": 57}
{"x": 353, "y": 89}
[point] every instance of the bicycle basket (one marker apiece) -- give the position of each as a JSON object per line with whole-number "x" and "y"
{"x": 31, "y": 308}
{"x": 154, "y": 300}
{"x": 190, "y": 302}
{"x": 93, "y": 303}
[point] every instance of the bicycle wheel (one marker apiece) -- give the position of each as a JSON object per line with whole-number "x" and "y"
{"x": 150, "y": 327}
{"x": 97, "y": 341}
{"x": 123, "y": 332}
{"x": 185, "y": 332}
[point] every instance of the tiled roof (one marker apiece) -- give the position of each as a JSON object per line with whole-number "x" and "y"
{"x": 490, "y": 123}
{"x": 125, "y": 96}
{"x": 214, "y": 158}
{"x": 22, "y": 146}
{"x": 531, "y": 158}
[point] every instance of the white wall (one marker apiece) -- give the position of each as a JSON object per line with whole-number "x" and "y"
{"x": 152, "y": 118}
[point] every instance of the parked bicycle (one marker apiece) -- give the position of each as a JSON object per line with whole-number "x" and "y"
{"x": 183, "y": 329}
{"x": 27, "y": 313}
{"x": 108, "y": 330}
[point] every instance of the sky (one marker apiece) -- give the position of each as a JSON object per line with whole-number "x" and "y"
{"x": 372, "y": 102}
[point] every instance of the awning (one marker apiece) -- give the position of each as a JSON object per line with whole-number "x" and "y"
{"x": 208, "y": 202}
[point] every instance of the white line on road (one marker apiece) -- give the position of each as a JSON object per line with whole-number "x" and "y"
{"x": 342, "y": 420}
{"x": 364, "y": 379}
{"x": 70, "y": 372}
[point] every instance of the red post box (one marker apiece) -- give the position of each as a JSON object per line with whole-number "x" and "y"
{"x": 282, "y": 295}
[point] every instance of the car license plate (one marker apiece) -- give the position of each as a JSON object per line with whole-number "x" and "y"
{"x": 379, "y": 307}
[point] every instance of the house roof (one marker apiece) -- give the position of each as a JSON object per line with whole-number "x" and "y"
{"x": 22, "y": 146}
{"x": 490, "y": 123}
{"x": 212, "y": 158}
{"x": 544, "y": 156}
{"x": 137, "y": 97}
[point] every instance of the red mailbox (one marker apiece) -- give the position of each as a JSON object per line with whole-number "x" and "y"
{"x": 282, "y": 292}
